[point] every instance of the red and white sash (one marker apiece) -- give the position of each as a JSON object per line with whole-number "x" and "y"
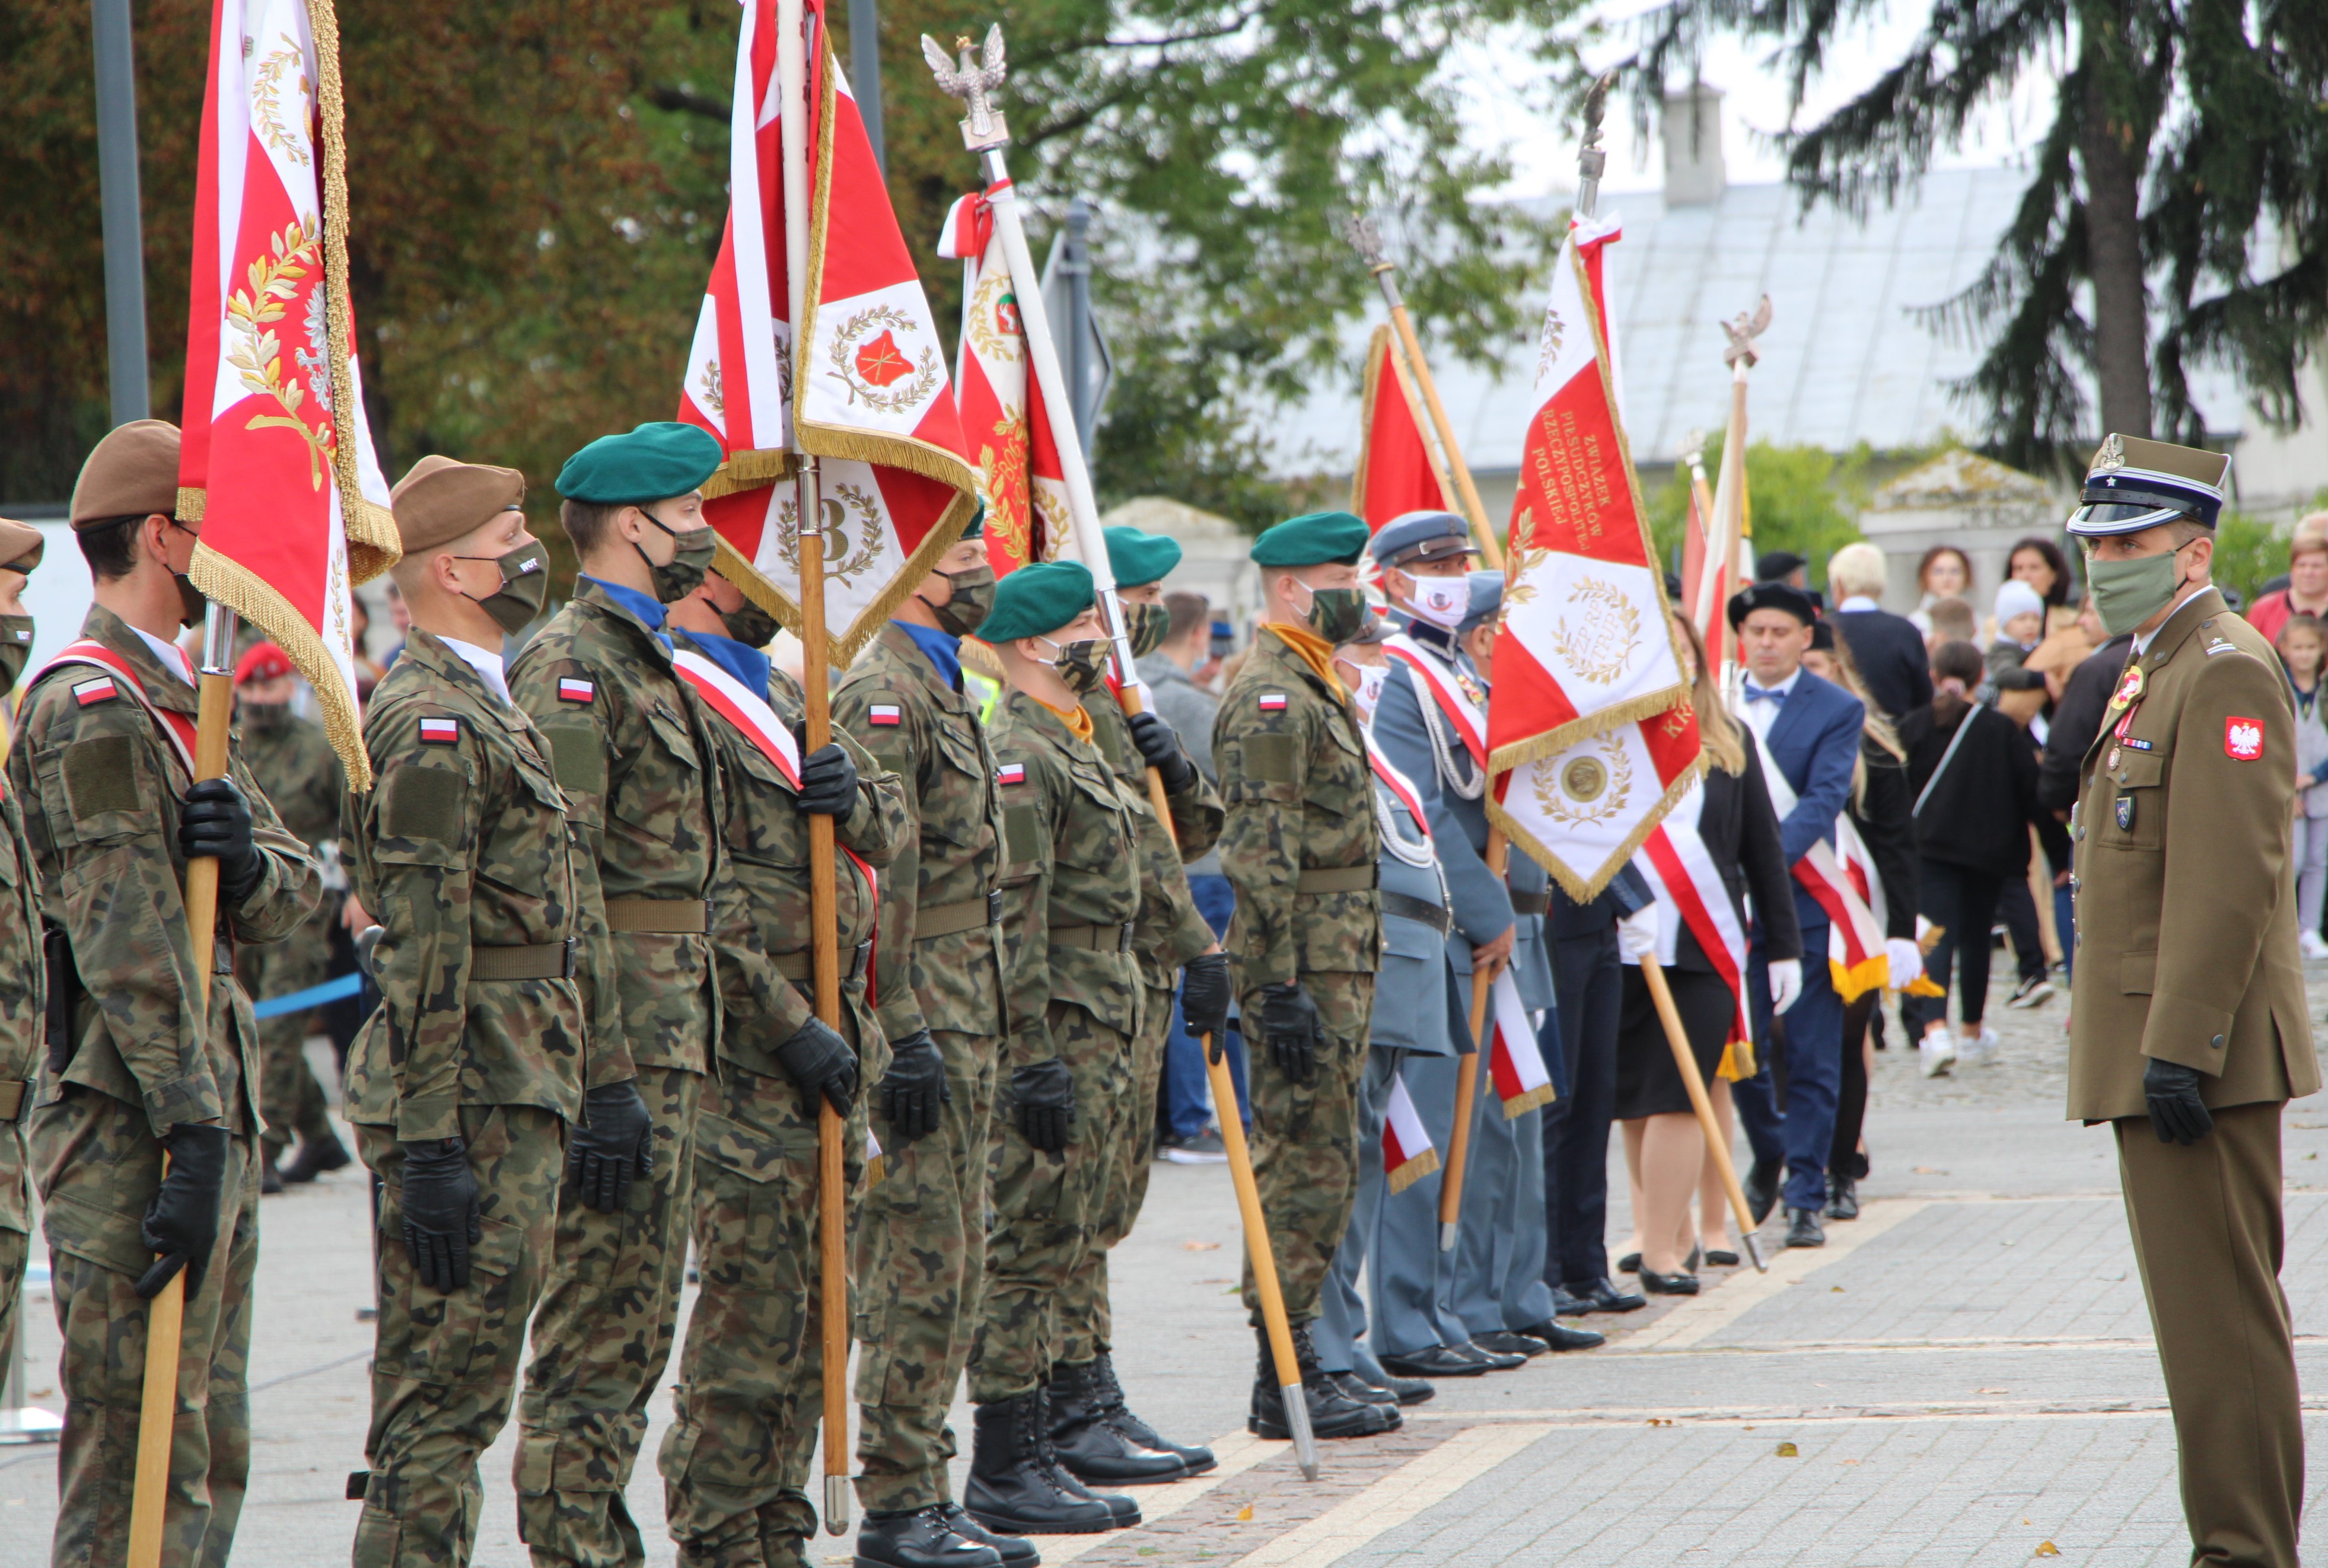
{"x": 1398, "y": 783}
{"x": 178, "y": 728}
{"x": 1469, "y": 719}
{"x": 1407, "y": 1154}
{"x": 1690, "y": 891}
{"x": 1514, "y": 1060}
{"x": 1855, "y": 958}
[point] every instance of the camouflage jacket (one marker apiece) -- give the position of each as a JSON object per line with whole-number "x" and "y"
{"x": 1070, "y": 879}
{"x": 463, "y": 847}
{"x": 627, "y": 740}
{"x": 100, "y": 787}
{"x": 293, "y": 762}
{"x": 766, "y": 987}
{"x": 1170, "y": 931}
{"x": 1299, "y": 796}
{"x": 950, "y": 858}
{"x": 24, "y": 996}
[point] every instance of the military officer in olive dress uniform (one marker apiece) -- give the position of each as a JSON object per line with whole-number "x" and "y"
{"x": 2190, "y": 1029}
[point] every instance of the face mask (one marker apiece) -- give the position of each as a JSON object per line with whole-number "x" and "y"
{"x": 1366, "y": 690}
{"x": 525, "y": 581}
{"x": 1147, "y": 624}
{"x": 684, "y": 573}
{"x": 190, "y": 602}
{"x": 970, "y": 602}
{"x": 2127, "y": 593}
{"x": 750, "y": 625}
{"x": 16, "y": 648}
{"x": 1336, "y": 614}
{"x": 1442, "y": 601}
{"x": 1082, "y": 663}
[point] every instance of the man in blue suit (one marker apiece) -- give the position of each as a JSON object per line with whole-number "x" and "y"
{"x": 1808, "y": 732}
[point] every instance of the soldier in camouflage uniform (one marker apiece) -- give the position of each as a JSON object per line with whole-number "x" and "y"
{"x": 497, "y": 1014}
{"x": 23, "y": 993}
{"x": 113, "y": 816}
{"x": 1301, "y": 847}
{"x": 294, "y": 764}
{"x": 627, "y": 742}
{"x": 921, "y": 1242}
{"x": 736, "y": 1461}
{"x": 1097, "y": 1435}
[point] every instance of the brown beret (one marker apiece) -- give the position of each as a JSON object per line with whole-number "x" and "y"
{"x": 440, "y": 500}
{"x": 20, "y": 545}
{"x": 131, "y": 473}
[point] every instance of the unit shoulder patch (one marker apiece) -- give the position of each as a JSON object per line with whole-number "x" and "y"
{"x": 442, "y": 731}
{"x": 576, "y": 688}
{"x": 2242, "y": 738}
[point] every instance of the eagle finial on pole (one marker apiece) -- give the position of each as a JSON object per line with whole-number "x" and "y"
{"x": 973, "y": 82}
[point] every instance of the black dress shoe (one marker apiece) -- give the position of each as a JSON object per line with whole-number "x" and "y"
{"x": 1630, "y": 1263}
{"x": 1093, "y": 1451}
{"x": 1603, "y": 1296}
{"x": 1558, "y": 1335}
{"x": 1408, "y": 1390}
{"x": 1803, "y": 1228}
{"x": 1360, "y": 1389}
{"x": 1015, "y": 1551}
{"x": 923, "y": 1538}
{"x": 1505, "y": 1342}
{"x": 1657, "y": 1284}
{"x": 1565, "y": 1305}
{"x": 1433, "y": 1361}
{"x": 1762, "y": 1188}
{"x": 1842, "y": 1197}
{"x": 1493, "y": 1360}
{"x": 1721, "y": 1258}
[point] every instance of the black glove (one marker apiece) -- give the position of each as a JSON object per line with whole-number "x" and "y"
{"x": 1289, "y": 1022}
{"x": 214, "y": 821}
{"x": 827, "y": 782}
{"x": 1159, "y": 746}
{"x": 1044, "y": 1095}
{"x": 1205, "y": 1000}
{"x": 614, "y": 1143}
{"x": 441, "y": 1221}
{"x": 2177, "y": 1114}
{"x": 914, "y": 1093}
{"x": 182, "y": 1221}
{"x": 819, "y": 1061}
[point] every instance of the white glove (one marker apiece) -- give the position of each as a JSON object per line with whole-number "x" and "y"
{"x": 1907, "y": 962}
{"x": 1637, "y": 935}
{"x": 1785, "y": 982}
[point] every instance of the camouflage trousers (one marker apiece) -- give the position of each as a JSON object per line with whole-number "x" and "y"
{"x": 15, "y": 1251}
{"x": 1123, "y": 1134}
{"x": 97, "y": 1167}
{"x": 1043, "y": 1206}
{"x": 1305, "y": 1142}
{"x": 601, "y": 1338}
{"x": 920, "y": 1264}
{"x": 444, "y": 1366}
{"x": 751, "y": 1376}
{"x": 289, "y": 1099}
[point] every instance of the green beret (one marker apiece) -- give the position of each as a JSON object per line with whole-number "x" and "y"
{"x": 1140, "y": 558}
{"x": 1315, "y": 539}
{"x": 976, "y": 527}
{"x": 656, "y": 461}
{"x": 1036, "y": 600}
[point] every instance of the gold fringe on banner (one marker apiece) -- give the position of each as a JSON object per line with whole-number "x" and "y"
{"x": 743, "y": 470}
{"x": 1519, "y": 1105}
{"x": 230, "y": 583}
{"x": 1586, "y": 888}
{"x": 1413, "y": 1171}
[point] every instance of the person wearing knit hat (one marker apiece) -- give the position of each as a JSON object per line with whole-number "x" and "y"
{"x": 148, "y": 1157}
{"x": 20, "y": 946}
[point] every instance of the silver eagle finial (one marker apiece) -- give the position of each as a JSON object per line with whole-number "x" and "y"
{"x": 1742, "y": 332}
{"x": 982, "y": 129}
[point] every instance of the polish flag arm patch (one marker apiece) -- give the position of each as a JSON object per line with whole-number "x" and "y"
{"x": 571, "y": 689}
{"x": 1272, "y": 701}
{"x": 440, "y": 731}
{"x": 2242, "y": 738}
{"x": 1011, "y": 773}
{"x": 884, "y": 713}
{"x": 101, "y": 690}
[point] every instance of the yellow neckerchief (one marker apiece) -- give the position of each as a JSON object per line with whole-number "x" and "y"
{"x": 1315, "y": 651}
{"x": 1078, "y": 722}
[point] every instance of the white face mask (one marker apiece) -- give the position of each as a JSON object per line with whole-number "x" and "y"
{"x": 1442, "y": 601}
{"x": 1366, "y": 691}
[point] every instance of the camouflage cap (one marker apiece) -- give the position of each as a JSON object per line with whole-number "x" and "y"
{"x": 1036, "y": 600}
{"x": 20, "y": 545}
{"x": 441, "y": 499}
{"x": 1317, "y": 539}
{"x": 131, "y": 473}
{"x": 1138, "y": 557}
{"x": 658, "y": 460}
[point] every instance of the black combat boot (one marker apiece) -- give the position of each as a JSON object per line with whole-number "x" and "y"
{"x": 1332, "y": 1412}
{"x": 1015, "y": 1551}
{"x": 921, "y": 1538}
{"x": 316, "y": 1157}
{"x": 1108, "y": 1396}
{"x": 1014, "y": 1485}
{"x": 1092, "y": 1448}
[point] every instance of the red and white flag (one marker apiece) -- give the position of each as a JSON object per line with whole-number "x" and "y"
{"x": 276, "y": 460}
{"x": 873, "y": 402}
{"x": 1397, "y": 471}
{"x": 1514, "y": 1060}
{"x": 1407, "y": 1154}
{"x": 1004, "y": 421}
{"x": 1581, "y": 811}
{"x": 1681, "y": 872}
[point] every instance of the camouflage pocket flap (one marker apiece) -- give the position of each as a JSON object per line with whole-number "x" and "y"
{"x": 106, "y": 1239}
{"x": 762, "y": 1153}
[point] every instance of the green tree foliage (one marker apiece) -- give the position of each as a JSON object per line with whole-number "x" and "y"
{"x": 2248, "y": 553}
{"x": 2177, "y": 216}
{"x": 1800, "y": 498}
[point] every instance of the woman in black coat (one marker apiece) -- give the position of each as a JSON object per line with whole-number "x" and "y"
{"x": 1665, "y": 1147}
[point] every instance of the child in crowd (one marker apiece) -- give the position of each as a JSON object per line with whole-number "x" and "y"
{"x": 2303, "y": 645}
{"x": 2020, "y": 625}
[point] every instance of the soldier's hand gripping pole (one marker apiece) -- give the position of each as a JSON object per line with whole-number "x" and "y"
{"x": 1263, "y": 1261}
{"x": 1654, "y": 973}
{"x": 165, "y": 1315}
{"x": 1467, "y": 1071}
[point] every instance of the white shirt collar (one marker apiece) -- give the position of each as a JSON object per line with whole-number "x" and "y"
{"x": 486, "y": 663}
{"x": 1858, "y": 601}
{"x": 173, "y": 657}
{"x": 1787, "y": 685}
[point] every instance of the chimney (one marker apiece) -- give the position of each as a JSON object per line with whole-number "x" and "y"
{"x": 1693, "y": 127}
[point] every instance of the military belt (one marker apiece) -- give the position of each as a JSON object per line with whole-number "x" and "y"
{"x": 802, "y": 966}
{"x": 1420, "y": 910}
{"x": 1338, "y": 878}
{"x": 961, "y": 915}
{"x": 1097, "y": 938}
{"x": 1531, "y": 903}
{"x": 528, "y": 961}
{"x": 14, "y": 1093}
{"x": 659, "y": 917}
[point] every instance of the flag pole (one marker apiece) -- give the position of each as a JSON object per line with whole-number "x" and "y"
{"x": 1694, "y": 1081}
{"x": 1739, "y": 356}
{"x": 823, "y": 900}
{"x": 973, "y": 79}
{"x": 1367, "y": 241}
{"x": 1467, "y": 1071}
{"x": 165, "y": 1315}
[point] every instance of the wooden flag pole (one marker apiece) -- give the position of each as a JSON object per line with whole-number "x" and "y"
{"x": 1694, "y": 1081}
{"x": 165, "y": 1315}
{"x": 1467, "y": 1071}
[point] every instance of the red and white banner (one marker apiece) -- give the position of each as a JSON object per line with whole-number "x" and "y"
{"x": 1004, "y": 421}
{"x": 1855, "y": 959}
{"x": 1407, "y": 1154}
{"x": 1580, "y": 812}
{"x": 1690, "y": 892}
{"x": 872, "y": 401}
{"x": 276, "y": 461}
{"x": 1515, "y": 1061}
{"x": 1397, "y": 471}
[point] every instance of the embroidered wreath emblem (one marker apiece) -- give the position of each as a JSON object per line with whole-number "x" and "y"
{"x": 1547, "y": 343}
{"x": 1600, "y": 644}
{"x": 265, "y": 102}
{"x": 1005, "y": 467}
{"x": 994, "y": 328}
{"x": 878, "y": 371}
{"x": 844, "y": 506}
{"x": 709, "y": 390}
{"x": 273, "y": 282}
{"x": 1589, "y": 785}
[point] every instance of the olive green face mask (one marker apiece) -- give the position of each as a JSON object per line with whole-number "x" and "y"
{"x": 2127, "y": 592}
{"x": 1148, "y": 623}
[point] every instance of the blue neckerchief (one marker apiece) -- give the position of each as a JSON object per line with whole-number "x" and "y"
{"x": 645, "y": 607}
{"x": 944, "y": 648}
{"x": 748, "y": 665}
